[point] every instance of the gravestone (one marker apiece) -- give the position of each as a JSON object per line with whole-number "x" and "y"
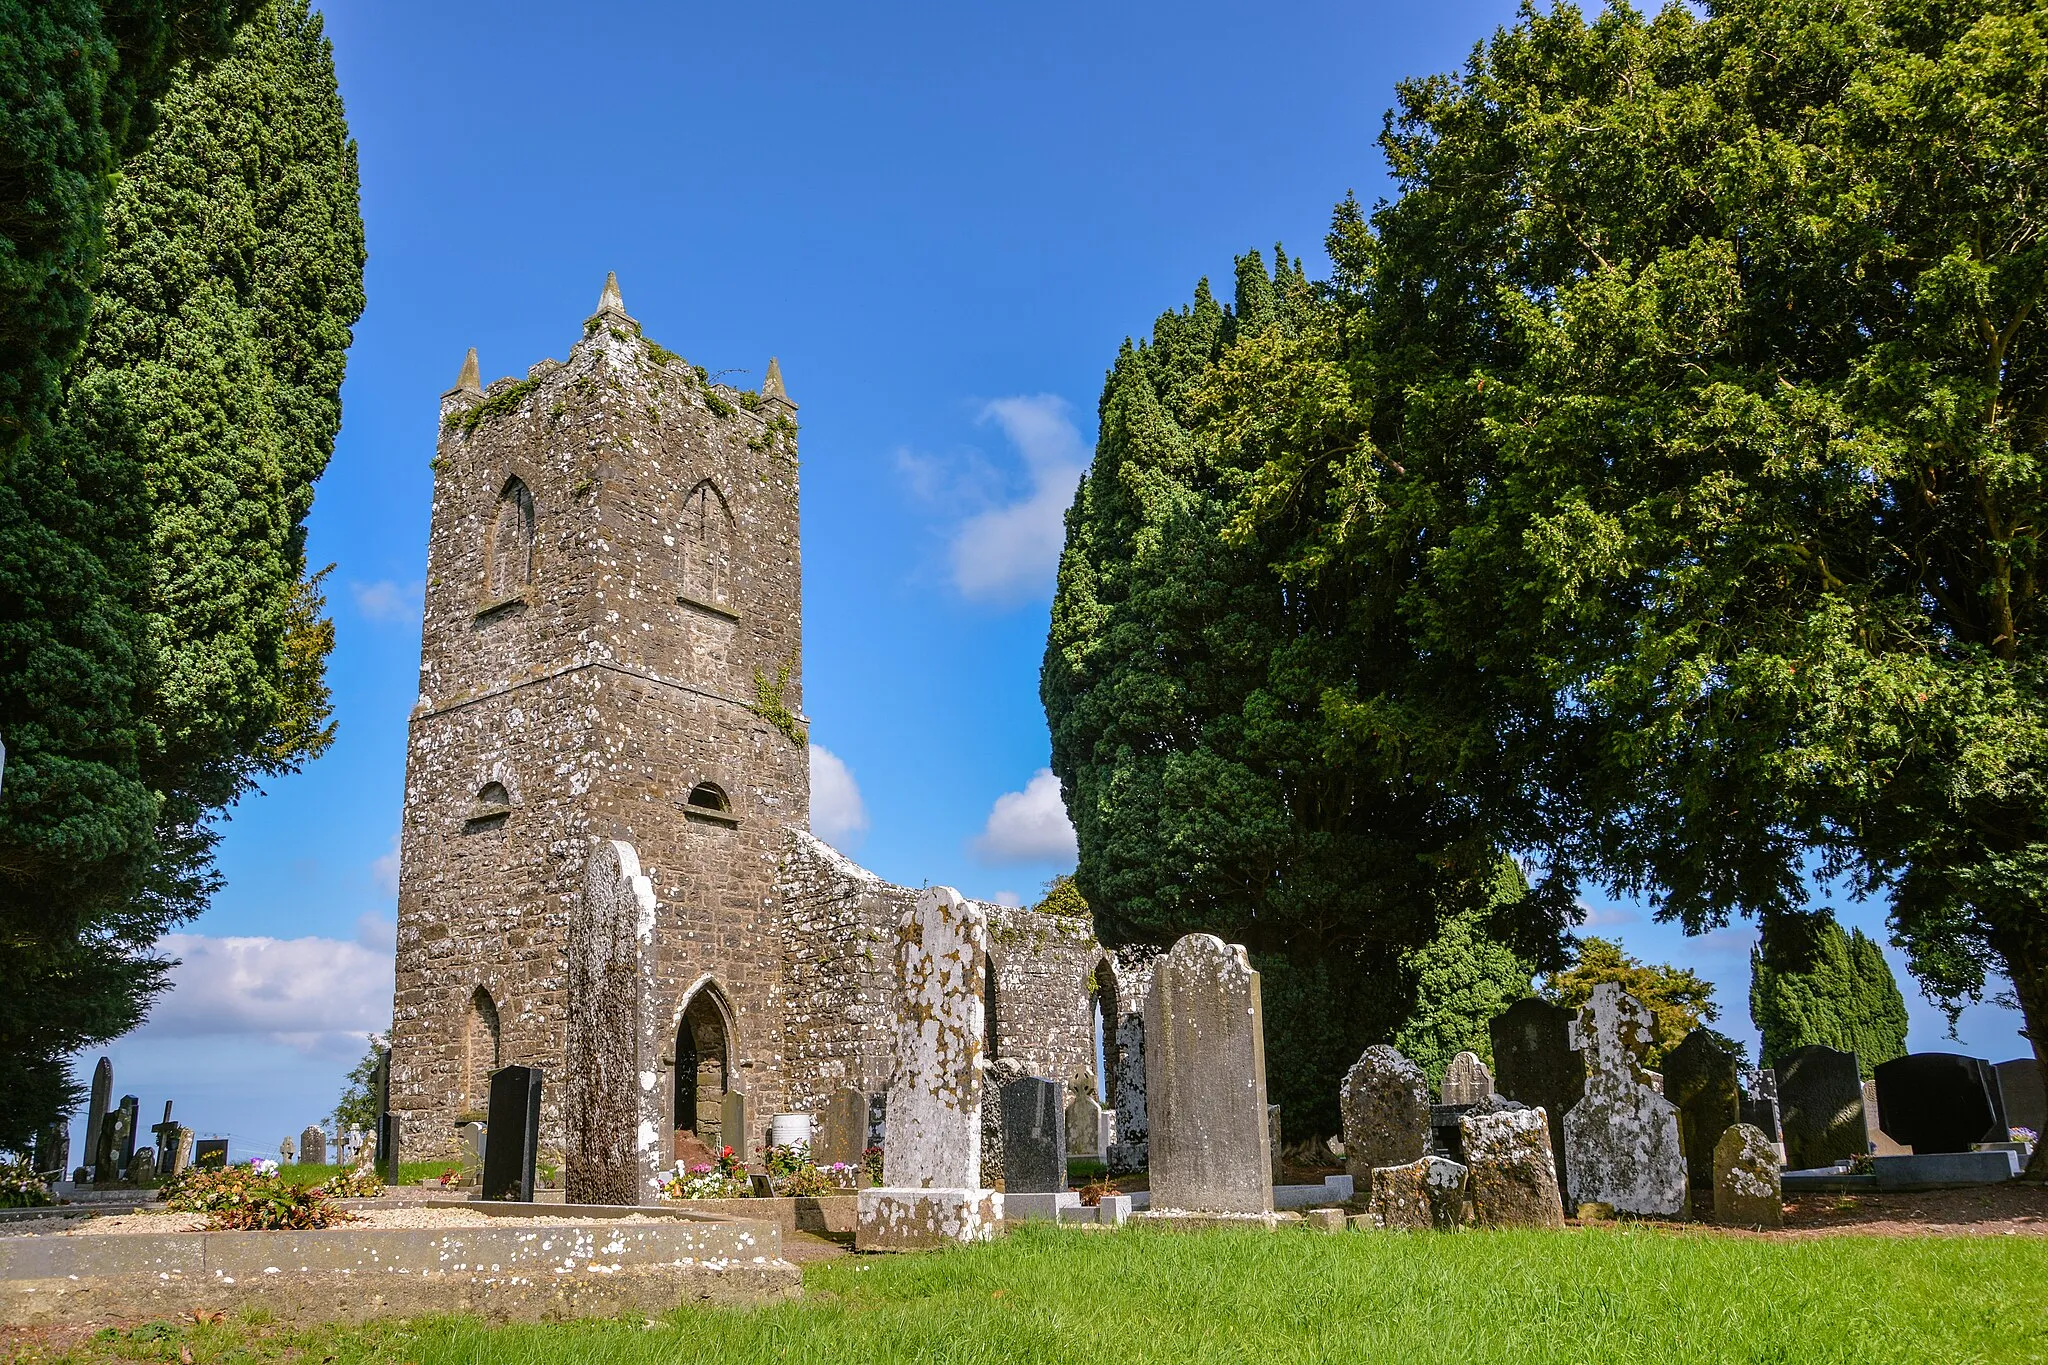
{"x": 1446, "y": 1136}
{"x": 732, "y": 1124}
{"x": 1466, "y": 1080}
{"x": 389, "y": 1135}
{"x": 142, "y": 1166}
{"x": 1881, "y": 1142}
{"x": 53, "y": 1150}
{"x": 931, "y": 1192}
{"x": 313, "y": 1147}
{"x": 612, "y": 1114}
{"x": 1535, "y": 1064}
{"x": 1034, "y": 1137}
{"x": 117, "y": 1142}
{"x": 287, "y": 1153}
{"x": 2026, "y": 1099}
{"x": 471, "y": 1142}
{"x": 96, "y": 1115}
{"x": 1820, "y": 1104}
{"x": 212, "y": 1155}
{"x": 1511, "y": 1172}
{"x": 130, "y": 1110}
{"x": 843, "y": 1135}
{"x": 1747, "y": 1191}
{"x": 1205, "y": 1081}
{"x": 515, "y": 1134}
{"x": 1385, "y": 1110}
{"x": 181, "y": 1160}
{"x": 1418, "y": 1196}
{"x": 994, "y": 1077}
{"x": 1623, "y": 1136}
{"x": 1938, "y": 1102}
{"x": 1084, "y": 1127}
{"x": 1760, "y": 1106}
{"x": 1704, "y": 1080}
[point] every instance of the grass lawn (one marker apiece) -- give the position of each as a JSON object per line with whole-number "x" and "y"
{"x": 1606, "y": 1295}
{"x": 412, "y": 1172}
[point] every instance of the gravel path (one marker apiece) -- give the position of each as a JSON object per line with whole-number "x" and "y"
{"x": 389, "y": 1216}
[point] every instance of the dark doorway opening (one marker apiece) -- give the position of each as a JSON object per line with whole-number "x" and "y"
{"x": 702, "y": 1076}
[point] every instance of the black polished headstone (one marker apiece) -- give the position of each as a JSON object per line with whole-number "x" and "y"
{"x": 1534, "y": 1062}
{"x": 1704, "y": 1080}
{"x": 1820, "y": 1102}
{"x": 388, "y": 1137}
{"x": 514, "y": 1125}
{"x": 210, "y": 1155}
{"x": 1034, "y": 1136}
{"x": 1938, "y": 1102}
{"x": 131, "y": 1129}
{"x": 2026, "y": 1098}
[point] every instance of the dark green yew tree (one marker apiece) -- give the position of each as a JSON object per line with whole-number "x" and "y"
{"x": 161, "y": 642}
{"x": 1813, "y": 984}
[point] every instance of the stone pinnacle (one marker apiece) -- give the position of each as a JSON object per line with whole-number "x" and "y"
{"x": 610, "y": 298}
{"x": 469, "y": 381}
{"x": 771, "y": 387}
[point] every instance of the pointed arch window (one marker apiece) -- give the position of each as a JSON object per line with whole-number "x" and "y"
{"x": 704, "y": 550}
{"x": 512, "y": 541}
{"x": 483, "y": 1049}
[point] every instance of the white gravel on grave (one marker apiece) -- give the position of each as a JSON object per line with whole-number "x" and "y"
{"x": 367, "y": 1218}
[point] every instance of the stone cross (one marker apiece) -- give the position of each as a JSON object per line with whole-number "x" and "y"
{"x": 931, "y": 1192}
{"x": 1466, "y": 1080}
{"x": 286, "y": 1152}
{"x": 1384, "y": 1104}
{"x": 613, "y": 1111}
{"x": 1205, "y": 1081}
{"x": 1623, "y": 1136}
{"x": 96, "y": 1115}
{"x": 166, "y": 1135}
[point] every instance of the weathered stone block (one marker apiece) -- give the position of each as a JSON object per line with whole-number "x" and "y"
{"x": 1512, "y": 1173}
{"x": 1419, "y": 1195}
{"x": 925, "y": 1219}
{"x": 1747, "y": 1192}
{"x": 1385, "y": 1110}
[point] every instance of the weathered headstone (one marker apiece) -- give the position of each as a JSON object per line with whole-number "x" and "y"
{"x": 2026, "y": 1099}
{"x": 1512, "y": 1174}
{"x": 733, "y": 1124}
{"x": 1623, "y": 1136}
{"x": 142, "y": 1166}
{"x": 1205, "y": 1081}
{"x": 931, "y": 1192}
{"x": 313, "y": 1146}
{"x": 1534, "y": 1063}
{"x": 1034, "y": 1137}
{"x": 166, "y": 1135}
{"x": 287, "y": 1152}
{"x": 1466, "y": 1080}
{"x": 1760, "y": 1105}
{"x": 1124, "y": 1063}
{"x": 1820, "y": 1104}
{"x": 612, "y": 1113}
{"x": 471, "y": 1142}
{"x": 515, "y": 1134}
{"x": 96, "y": 1116}
{"x": 117, "y": 1141}
{"x": 1418, "y": 1195}
{"x": 212, "y": 1156}
{"x": 995, "y": 1075}
{"x": 1704, "y": 1079}
{"x": 1938, "y": 1101}
{"x": 843, "y": 1135}
{"x": 1747, "y": 1192}
{"x": 181, "y": 1161}
{"x": 53, "y": 1150}
{"x": 1384, "y": 1106}
{"x": 1084, "y": 1127}
{"x": 130, "y": 1110}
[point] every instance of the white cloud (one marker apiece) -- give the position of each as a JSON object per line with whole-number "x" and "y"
{"x": 838, "y": 816}
{"x": 1009, "y": 898}
{"x": 298, "y": 991}
{"x": 1029, "y": 826}
{"x": 1006, "y": 548}
{"x": 1607, "y": 916}
{"x": 386, "y": 601}
{"x": 378, "y": 933}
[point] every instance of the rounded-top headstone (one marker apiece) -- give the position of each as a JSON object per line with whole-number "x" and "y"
{"x": 1385, "y": 1108}
{"x": 1747, "y": 1190}
{"x": 1205, "y": 1081}
{"x": 1466, "y": 1080}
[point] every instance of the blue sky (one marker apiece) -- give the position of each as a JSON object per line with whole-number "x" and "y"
{"x": 943, "y": 220}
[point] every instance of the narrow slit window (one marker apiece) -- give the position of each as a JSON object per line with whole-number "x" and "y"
{"x": 512, "y": 542}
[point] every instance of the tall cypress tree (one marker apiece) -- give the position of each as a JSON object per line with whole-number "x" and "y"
{"x": 1809, "y": 983}
{"x": 161, "y": 642}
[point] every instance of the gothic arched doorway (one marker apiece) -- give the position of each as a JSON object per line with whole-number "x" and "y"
{"x": 701, "y": 1076}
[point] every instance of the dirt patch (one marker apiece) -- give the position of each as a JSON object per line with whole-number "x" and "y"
{"x": 160, "y": 1222}
{"x": 2011, "y": 1210}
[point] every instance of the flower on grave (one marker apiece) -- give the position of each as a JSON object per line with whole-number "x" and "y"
{"x": 2024, "y": 1135}
{"x": 262, "y": 1165}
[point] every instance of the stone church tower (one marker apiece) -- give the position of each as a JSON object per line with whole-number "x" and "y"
{"x": 612, "y": 650}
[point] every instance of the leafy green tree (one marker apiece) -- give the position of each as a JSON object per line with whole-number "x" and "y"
{"x": 357, "y": 1107}
{"x": 1462, "y": 978}
{"x": 1680, "y": 999}
{"x": 161, "y": 642}
{"x": 77, "y": 82}
{"x": 1810, "y": 983}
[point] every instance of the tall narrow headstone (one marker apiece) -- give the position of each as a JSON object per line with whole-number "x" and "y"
{"x": 1124, "y": 1065}
{"x": 390, "y": 1132}
{"x": 1205, "y": 1081}
{"x": 182, "y": 1161}
{"x": 1084, "y": 1127}
{"x": 515, "y": 1134}
{"x": 994, "y": 1077}
{"x": 1034, "y": 1137}
{"x": 1535, "y": 1064}
{"x": 1820, "y": 1103}
{"x": 613, "y": 1117}
{"x": 130, "y": 1110}
{"x": 1623, "y": 1136}
{"x": 313, "y": 1146}
{"x": 1384, "y": 1105}
{"x": 1466, "y": 1080}
{"x": 1704, "y": 1080}
{"x": 931, "y": 1192}
{"x": 1938, "y": 1102}
{"x": 96, "y": 1115}
{"x": 2026, "y": 1099}
{"x": 732, "y": 1124}
{"x": 53, "y": 1150}
{"x": 844, "y": 1134}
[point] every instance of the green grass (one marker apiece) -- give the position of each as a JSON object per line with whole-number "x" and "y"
{"x": 1612, "y": 1295}
{"x": 412, "y": 1172}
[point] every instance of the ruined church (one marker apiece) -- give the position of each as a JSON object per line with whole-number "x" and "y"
{"x": 611, "y": 672}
